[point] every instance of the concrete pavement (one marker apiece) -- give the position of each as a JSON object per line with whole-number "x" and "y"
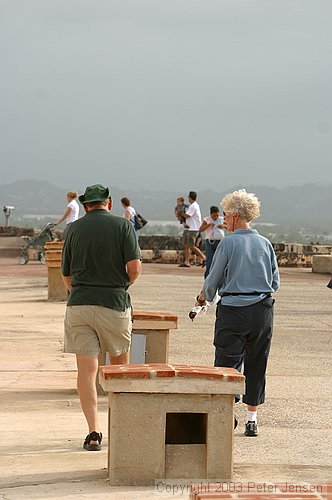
{"x": 41, "y": 420}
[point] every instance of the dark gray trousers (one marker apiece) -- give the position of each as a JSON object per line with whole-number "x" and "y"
{"x": 243, "y": 337}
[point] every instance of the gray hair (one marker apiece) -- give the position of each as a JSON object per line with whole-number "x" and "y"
{"x": 246, "y": 205}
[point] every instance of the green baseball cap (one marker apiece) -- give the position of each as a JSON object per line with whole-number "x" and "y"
{"x": 97, "y": 192}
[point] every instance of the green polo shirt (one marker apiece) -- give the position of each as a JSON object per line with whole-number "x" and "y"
{"x": 96, "y": 251}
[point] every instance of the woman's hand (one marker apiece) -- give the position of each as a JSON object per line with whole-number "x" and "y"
{"x": 200, "y": 300}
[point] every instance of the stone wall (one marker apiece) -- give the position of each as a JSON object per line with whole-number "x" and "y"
{"x": 299, "y": 255}
{"x": 160, "y": 243}
{"x": 170, "y": 249}
{"x": 16, "y": 231}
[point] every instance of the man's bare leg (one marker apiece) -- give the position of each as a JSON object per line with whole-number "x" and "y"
{"x": 87, "y": 367}
{"x": 186, "y": 255}
{"x": 198, "y": 252}
{"x": 123, "y": 359}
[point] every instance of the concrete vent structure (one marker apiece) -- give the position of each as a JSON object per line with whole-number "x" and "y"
{"x": 170, "y": 421}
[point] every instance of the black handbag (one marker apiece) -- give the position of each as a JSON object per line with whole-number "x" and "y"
{"x": 140, "y": 222}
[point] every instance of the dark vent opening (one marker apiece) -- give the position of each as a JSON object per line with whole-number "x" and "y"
{"x": 186, "y": 428}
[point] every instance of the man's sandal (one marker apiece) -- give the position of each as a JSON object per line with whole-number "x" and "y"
{"x": 93, "y": 436}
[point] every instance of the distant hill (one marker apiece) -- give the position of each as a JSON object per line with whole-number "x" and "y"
{"x": 309, "y": 204}
{"x": 33, "y": 197}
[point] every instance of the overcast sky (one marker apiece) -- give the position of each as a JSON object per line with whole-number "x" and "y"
{"x": 166, "y": 94}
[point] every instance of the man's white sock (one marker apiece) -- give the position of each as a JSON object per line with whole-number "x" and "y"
{"x": 251, "y": 416}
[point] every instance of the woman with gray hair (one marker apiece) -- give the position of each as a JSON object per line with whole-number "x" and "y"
{"x": 244, "y": 272}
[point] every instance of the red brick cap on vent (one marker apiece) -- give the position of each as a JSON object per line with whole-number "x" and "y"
{"x": 157, "y": 370}
{"x": 155, "y": 316}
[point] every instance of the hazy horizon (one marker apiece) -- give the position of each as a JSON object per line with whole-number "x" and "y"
{"x": 191, "y": 185}
{"x": 285, "y": 213}
{"x": 166, "y": 96}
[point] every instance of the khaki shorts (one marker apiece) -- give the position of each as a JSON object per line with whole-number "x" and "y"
{"x": 189, "y": 237}
{"x": 91, "y": 329}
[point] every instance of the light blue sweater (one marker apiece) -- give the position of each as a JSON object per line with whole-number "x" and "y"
{"x": 243, "y": 262}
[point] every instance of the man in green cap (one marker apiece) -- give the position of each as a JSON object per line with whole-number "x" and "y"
{"x": 100, "y": 259}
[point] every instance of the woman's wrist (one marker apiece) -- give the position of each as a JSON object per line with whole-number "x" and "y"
{"x": 200, "y": 299}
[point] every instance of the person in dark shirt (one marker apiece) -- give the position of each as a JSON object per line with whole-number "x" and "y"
{"x": 100, "y": 260}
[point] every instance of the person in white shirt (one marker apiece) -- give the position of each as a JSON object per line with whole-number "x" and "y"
{"x": 71, "y": 213}
{"x": 129, "y": 211}
{"x": 193, "y": 221}
{"x": 213, "y": 226}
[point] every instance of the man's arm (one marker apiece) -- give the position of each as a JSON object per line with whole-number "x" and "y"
{"x": 66, "y": 261}
{"x": 189, "y": 212}
{"x": 134, "y": 268}
{"x": 67, "y": 282}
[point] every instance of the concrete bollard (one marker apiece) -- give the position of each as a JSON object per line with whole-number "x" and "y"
{"x": 56, "y": 288}
{"x": 322, "y": 264}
